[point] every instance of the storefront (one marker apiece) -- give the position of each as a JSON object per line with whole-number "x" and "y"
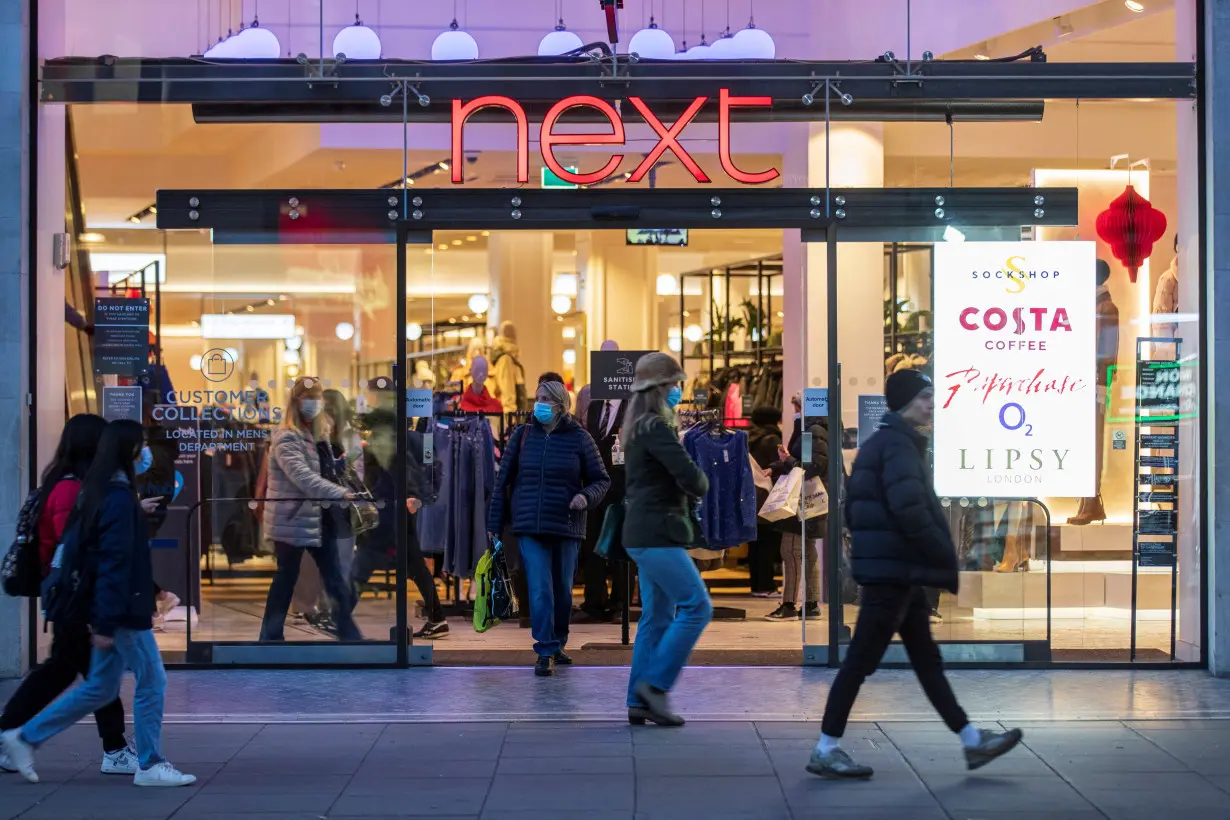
{"x": 1022, "y": 224}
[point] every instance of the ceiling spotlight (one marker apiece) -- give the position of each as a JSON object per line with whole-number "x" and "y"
{"x": 693, "y": 333}
{"x": 479, "y": 303}
{"x": 92, "y": 237}
{"x": 414, "y": 332}
{"x": 1133, "y": 5}
{"x": 981, "y": 56}
{"x": 343, "y": 331}
{"x": 561, "y": 304}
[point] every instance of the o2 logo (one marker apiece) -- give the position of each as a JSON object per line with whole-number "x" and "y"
{"x": 1016, "y": 410}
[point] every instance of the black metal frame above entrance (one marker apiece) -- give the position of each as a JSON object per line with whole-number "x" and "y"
{"x": 339, "y": 91}
{"x": 327, "y": 216}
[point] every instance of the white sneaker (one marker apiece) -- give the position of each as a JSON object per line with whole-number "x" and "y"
{"x": 5, "y": 765}
{"x": 162, "y": 775}
{"x": 20, "y": 754}
{"x": 124, "y": 761}
{"x": 167, "y": 602}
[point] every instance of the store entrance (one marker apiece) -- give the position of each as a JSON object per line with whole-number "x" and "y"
{"x": 426, "y": 305}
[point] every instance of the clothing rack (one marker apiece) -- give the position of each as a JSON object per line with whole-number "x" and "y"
{"x": 458, "y": 605}
{"x": 712, "y": 416}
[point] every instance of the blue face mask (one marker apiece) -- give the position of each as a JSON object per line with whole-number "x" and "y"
{"x": 144, "y": 461}
{"x": 545, "y": 413}
{"x": 674, "y": 396}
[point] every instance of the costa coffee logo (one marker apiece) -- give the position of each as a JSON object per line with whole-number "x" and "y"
{"x": 1038, "y": 319}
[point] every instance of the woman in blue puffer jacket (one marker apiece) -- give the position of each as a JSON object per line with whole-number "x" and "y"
{"x": 551, "y": 473}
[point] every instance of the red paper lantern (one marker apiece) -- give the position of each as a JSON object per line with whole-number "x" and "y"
{"x": 1130, "y": 226}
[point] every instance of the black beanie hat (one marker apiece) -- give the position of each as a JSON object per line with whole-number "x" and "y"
{"x": 903, "y": 387}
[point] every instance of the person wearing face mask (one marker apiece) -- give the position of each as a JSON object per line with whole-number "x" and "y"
{"x": 551, "y": 473}
{"x": 106, "y": 532}
{"x": 662, "y": 479}
{"x": 302, "y": 482}
{"x": 901, "y": 544}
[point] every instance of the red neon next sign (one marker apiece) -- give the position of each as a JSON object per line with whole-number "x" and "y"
{"x": 668, "y": 137}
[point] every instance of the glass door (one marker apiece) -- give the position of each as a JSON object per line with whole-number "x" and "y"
{"x": 275, "y": 529}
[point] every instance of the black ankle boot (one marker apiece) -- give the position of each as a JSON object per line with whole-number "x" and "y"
{"x": 545, "y": 667}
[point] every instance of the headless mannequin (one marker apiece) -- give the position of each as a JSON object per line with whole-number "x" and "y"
{"x": 1092, "y": 509}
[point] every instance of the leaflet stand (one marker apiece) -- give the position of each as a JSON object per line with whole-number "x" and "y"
{"x": 1155, "y": 532}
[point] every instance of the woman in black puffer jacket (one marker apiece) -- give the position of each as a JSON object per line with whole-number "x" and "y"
{"x": 551, "y": 473}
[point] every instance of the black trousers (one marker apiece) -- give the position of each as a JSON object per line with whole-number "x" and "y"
{"x": 762, "y": 557}
{"x": 883, "y": 611}
{"x": 70, "y": 657}
{"x": 368, "y": 561}
{"x": 596, "y": 570}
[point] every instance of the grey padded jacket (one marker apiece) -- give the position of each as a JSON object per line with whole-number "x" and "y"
{"x": 294, "y": 473}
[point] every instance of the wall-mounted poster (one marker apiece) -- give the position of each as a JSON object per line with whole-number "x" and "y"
{"x": 1015, "y": 359}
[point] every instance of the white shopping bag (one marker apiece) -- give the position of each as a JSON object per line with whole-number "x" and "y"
{"x": 783, "y": 500}
{"x": 815, "y": 498}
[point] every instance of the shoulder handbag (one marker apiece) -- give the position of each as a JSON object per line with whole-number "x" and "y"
{"x": 611, "y": 538}
{"x": 364, "y": 514}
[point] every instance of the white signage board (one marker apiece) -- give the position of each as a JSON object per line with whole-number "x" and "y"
{"x": 1014, "y": 365}
{"x": 247, "y": 325}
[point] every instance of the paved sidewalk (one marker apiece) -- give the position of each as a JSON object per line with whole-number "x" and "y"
{"x": 610, "y": 771}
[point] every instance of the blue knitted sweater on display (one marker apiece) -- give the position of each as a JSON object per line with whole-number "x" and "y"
{"x": 728, "y": 510}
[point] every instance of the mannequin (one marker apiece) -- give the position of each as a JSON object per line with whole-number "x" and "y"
{"x": 1166, "y": 297}
{"x": 506, "y": 369}
{"x": 603, "y": 419}
{"x": 476, "y": 398}
{"x": 1092, "y": 509}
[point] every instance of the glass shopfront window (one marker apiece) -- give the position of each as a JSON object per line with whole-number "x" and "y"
{"x": 241, "y": 317}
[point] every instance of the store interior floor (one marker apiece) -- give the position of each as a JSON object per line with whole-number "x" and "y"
{"x": 232, "y": 609}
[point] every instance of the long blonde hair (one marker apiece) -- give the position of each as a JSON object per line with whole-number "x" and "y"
{"x": 322, "y": 425}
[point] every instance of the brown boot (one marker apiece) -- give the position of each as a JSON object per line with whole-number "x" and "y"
{"x": 1091, "y": 511}
{"x": 1012, "y": 554}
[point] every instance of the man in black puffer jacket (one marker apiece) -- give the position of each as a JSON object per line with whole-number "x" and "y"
{"x": 901, "y": 544}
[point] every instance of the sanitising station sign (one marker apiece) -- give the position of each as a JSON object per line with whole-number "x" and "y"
{"x": 1015, "y": 359}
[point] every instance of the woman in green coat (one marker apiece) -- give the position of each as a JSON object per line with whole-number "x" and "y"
{"x": 658, "y": 530}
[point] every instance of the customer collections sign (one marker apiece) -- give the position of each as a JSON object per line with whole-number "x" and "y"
{"x": 1014, "y": 364}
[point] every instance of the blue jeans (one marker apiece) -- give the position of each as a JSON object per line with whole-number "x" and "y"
{"x": 675, "y": 609}
{"x": 550, "y": 563}
{"x": 282, "y": 590}
{"x": 135, "y": 650}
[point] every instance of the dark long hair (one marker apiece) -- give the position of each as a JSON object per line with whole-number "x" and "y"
{"x": 75, "y": 452}
{"x": 116, "y": 450}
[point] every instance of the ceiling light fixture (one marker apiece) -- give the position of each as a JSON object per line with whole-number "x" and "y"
{"x": 357, "y": 42}
{"x": 1133, "y": 5}
{"x": 454, "y": 44}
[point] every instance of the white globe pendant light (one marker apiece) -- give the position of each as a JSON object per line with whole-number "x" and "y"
{"x": 560, "y": 41}
{"x": 698, "y": 52}
{"x": 357, "y": 42}
{"x": 454, "y": 44}
{"x": 652, "y": 43}
{"x": 724, "y": 48}
{"x": 755, "y": 44}
{"x": 256, "y": 43}
{"x": 224, "y": 49}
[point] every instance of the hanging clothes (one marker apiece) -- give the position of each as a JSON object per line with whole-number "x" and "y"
{"x": 453, "y": 518}
{"x": 728, "y": 510}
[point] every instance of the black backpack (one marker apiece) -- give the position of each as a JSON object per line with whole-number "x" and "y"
{"x": 68, "y": 590}
{"x": 22, "y": 570}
